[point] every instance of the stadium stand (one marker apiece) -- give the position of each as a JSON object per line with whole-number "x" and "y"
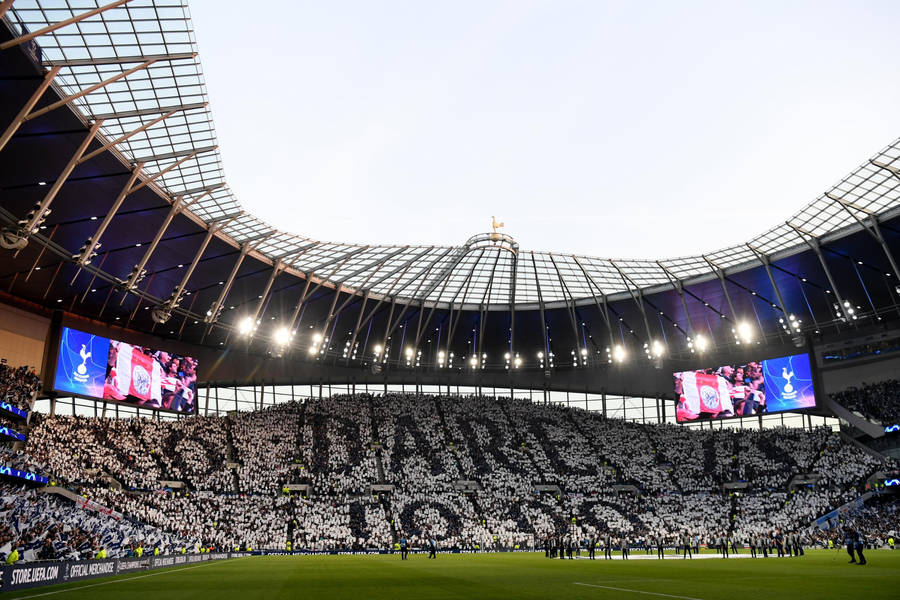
{"x": 541, "y": 472}
{"x": 42, "y": 526}
{"x": 18, "y": 385}
{"x": 875, "y": 401}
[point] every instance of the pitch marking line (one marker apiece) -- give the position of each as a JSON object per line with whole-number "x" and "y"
{"x": 82, "y": 587}
{"x": 618, "y": 589}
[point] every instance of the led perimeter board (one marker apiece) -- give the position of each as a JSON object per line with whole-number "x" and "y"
{"x": 96, "y": 367}
{"x": 756, "y": 387}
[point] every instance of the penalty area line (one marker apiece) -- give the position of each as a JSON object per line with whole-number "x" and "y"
{"x": 619, "y": 589}
{"x": 82, "y": 587}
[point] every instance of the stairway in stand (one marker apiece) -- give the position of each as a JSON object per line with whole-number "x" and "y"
{"x": 231, "y": 454}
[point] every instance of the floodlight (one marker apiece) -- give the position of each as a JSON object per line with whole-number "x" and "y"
{"x": 701, "y": 342}
{"x": 245, "y": 325}
{"x": 282, "y": 336}
{"x": 745, "y": 331}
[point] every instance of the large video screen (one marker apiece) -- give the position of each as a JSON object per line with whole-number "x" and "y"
{"x": 742, "y": 390}
{"x": 98, "y": 367}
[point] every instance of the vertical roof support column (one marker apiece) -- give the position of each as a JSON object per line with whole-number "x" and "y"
{"x": 300, "y": 302}
{"x": 638, "y": 299}
{"x": 537, "y": 283}
{"x": 337, "y": 293}
{"x": 873, "y": 228}
{"x": 359, "y": 317}
{"x": 512, "y": 305}
{"x": 679, "y": 288}
{"x": 483, "y": 309}
{"x": 308, "y": 294}
{"x": 569, "y": 309}
{"x": 764, "y": 259}
{"x": 84, "y": 258}
{"x": 604, "y": 309}
{"x": 162, "y": 312}
{"x": 388, "y": 329}
{"x": 816, "y": 247}
{"x": 720, "y": 273}
{"x": 451, "y": 330}
{"x": 42, "y": 209}
{"x": 212, "y": 315}
{"x": 419, "y": 326}
{"x": 277, "y": 268}
{"x": 138, "y": 272}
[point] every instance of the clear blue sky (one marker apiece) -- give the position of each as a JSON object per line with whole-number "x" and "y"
{"x": 632, "y": 129}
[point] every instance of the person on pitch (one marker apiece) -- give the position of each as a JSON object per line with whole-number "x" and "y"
{"x": 850, "y": 542}
{"x": 860, "y": 545}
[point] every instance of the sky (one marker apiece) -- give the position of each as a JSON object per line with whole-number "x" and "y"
{"x": 612, "y": 129}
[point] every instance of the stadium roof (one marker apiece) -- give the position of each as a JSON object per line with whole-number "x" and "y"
{"x": 156, "y": 115}
{"x": 107, "y": 127}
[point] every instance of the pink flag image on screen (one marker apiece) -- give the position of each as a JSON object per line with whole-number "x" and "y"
{"x": 138, "y": 375}
{"x": 702, "y": 393}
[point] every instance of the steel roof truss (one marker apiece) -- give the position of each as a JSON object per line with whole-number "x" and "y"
{"x": 84, "y": 258}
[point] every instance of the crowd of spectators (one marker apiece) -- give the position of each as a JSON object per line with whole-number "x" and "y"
{"x": 470, "y": 472}
{"x": 877, "y": 522}
{"x": 18, "y": 385}
{"x": 878, "y": 402}
{"x": 44, "y": 526}
{"x": 863, "y": 350}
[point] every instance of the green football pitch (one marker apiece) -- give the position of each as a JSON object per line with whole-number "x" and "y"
{"x": 818, "y": 575}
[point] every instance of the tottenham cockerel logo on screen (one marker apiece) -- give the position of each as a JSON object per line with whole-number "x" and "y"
{"x": 709, "y": 396}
